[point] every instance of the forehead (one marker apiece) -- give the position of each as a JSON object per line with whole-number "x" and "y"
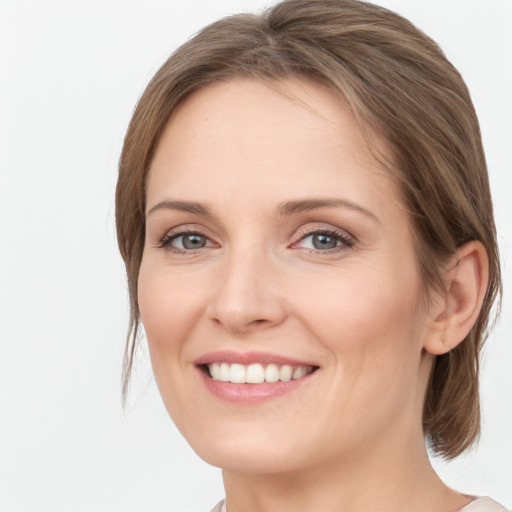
{"x": 257, "y": 137}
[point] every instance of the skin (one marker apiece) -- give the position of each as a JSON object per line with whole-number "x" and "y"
{"x": 350, "y": 438}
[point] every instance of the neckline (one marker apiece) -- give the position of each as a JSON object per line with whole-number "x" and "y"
{"x": 466, "y": 508}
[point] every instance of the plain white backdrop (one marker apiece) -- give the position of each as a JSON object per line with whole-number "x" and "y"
{"x": 70, "y": 75}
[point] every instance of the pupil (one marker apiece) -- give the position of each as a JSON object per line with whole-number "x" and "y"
{"x": 193, "y": 241}
{"x": 324, "y": 242}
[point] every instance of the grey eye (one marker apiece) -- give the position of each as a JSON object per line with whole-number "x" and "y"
{"x": 191, "y": 241}
{"x": 322, "y": 241}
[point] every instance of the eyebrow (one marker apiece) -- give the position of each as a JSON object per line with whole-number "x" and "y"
{"x": 182, "y": 206}
{"x": 284, "y": 209}
{"x": 305, "y": 205}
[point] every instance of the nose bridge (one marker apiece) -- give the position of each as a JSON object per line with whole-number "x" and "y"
{"x": 246, "y": 296}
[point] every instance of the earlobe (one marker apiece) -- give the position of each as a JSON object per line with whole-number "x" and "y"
{"x": 456, "y": 312}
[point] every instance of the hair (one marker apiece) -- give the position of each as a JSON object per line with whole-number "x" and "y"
{"x": 397, "y": 82}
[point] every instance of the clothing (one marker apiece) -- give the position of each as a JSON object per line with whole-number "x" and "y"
{"x": 219, "y": 507}
{"x": 483, "y": 504}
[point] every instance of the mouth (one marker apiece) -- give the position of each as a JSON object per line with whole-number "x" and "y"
{"x": 252, "y": 377}
{"x": 256, "y": 373}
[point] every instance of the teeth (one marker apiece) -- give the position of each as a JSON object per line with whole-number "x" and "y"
{"x": 224, "y": 373}
{"x": 256, "y": 373}
{"x": 298, "y": 372}
{"x": 215, "y": 371}
{"x": 285, "y": 373}
{"x": 237, "y": 373}
{"x": 272, "y": 373}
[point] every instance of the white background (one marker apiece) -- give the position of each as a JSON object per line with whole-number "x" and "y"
{"x": 70, "y": 74}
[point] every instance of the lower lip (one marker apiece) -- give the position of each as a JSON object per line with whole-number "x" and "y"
{"x": 250, "y": 393}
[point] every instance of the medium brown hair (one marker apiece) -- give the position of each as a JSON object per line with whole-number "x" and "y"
{"x": 397, "y": 82}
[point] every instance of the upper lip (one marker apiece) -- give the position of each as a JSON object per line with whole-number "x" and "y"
{"x": 246, "y": 358}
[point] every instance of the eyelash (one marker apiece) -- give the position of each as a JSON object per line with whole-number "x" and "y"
{"x": 345, "y": 240}
{"x": 167, "y": 240}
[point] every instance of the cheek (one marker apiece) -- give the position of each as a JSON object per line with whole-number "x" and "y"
{"x": 373, "y": 334}
{"x": 370, "y": 321}
{"x": 363, "y": 302}
{"x": 169, "y": 308}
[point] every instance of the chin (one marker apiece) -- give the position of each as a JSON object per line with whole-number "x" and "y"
{"x": 250, "y": 459}
{"x": 256, "y": 450}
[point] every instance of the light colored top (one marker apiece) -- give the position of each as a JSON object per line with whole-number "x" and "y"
{"x": 483, "y": 504}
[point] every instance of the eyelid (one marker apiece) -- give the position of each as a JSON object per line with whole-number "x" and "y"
{"x": 168, "y": 239}
{"x": 347, "y": 240}
{"x": 165, "y": 242}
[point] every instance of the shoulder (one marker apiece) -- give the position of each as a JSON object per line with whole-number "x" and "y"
{"x": 483, "y": 504}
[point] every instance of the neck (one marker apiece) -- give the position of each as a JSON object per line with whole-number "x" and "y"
{"x": 373, "y": 478}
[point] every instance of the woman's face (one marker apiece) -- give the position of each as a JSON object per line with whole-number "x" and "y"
{"x": 278, "y": 252}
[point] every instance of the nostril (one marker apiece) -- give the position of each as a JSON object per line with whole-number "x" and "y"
{"x": 259, "y": 321}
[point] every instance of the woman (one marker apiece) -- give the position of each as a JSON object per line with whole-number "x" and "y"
{"x": 304, "y": 213}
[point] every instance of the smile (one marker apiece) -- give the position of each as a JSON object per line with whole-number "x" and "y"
{"x": 252, "y": 377}
{"x": 256, "y": 373}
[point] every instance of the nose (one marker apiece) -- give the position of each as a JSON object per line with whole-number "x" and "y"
{"x": 247, "y": 296}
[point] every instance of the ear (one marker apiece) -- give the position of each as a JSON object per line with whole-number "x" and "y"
{"x": 455, "y": 313}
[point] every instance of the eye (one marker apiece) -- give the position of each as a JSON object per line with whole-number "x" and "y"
{"x": 185, "y": 241}
{"x": 324, "y": 240}
{"x": 321, "y": 241}
{"x": 190, "y": 241}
